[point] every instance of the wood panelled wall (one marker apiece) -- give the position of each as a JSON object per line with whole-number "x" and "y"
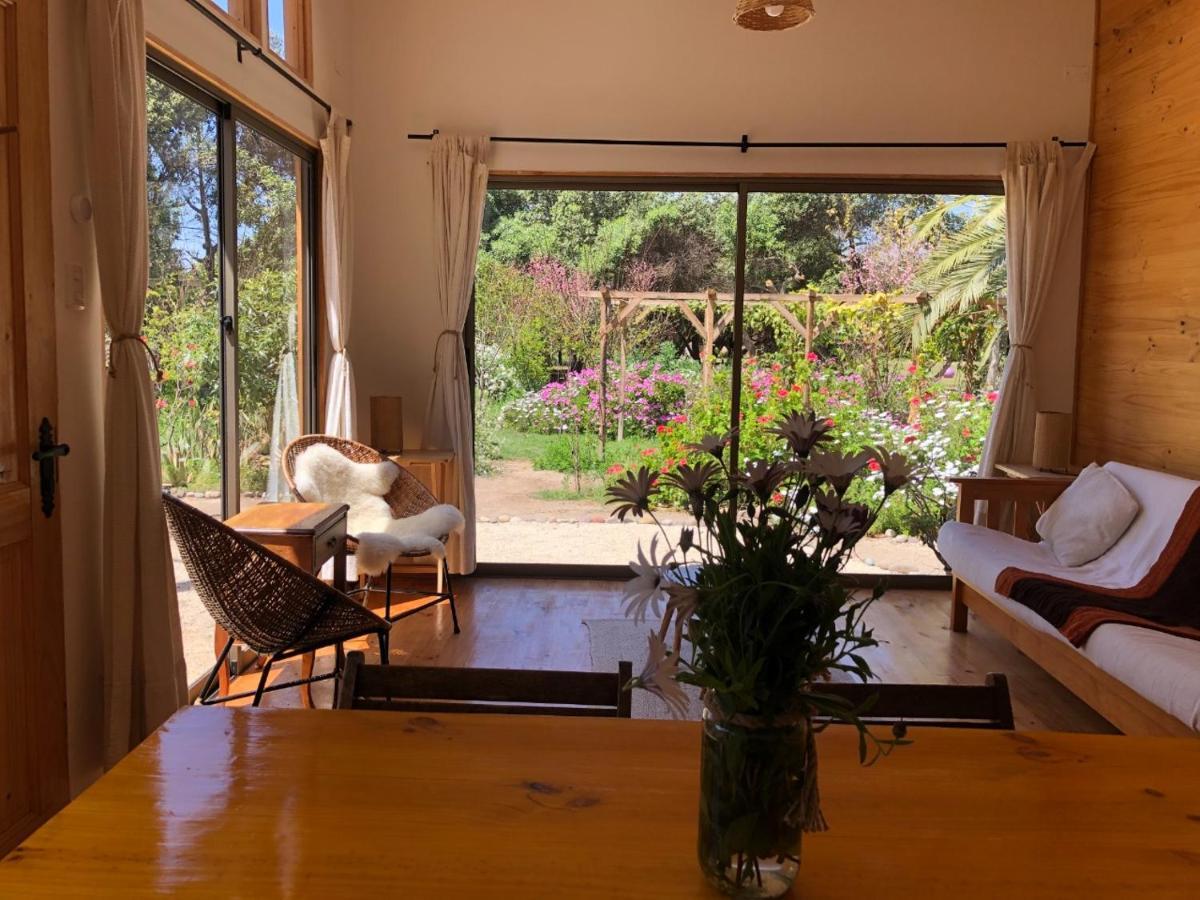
{"x": 1138, "y": 382}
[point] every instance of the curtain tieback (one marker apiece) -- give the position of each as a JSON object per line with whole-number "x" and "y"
{"x": 112, "y": 369}
{"x": 1022, "y": 346}
{"x": 452, "y": 332}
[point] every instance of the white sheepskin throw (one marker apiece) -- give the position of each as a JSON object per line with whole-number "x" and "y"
{"x": 323, "y": 475}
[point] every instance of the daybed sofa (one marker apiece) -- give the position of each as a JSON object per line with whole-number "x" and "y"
{"x": 1142, "y": 680}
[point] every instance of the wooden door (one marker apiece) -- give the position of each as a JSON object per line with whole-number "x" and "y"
{"x": 33, "y": 758}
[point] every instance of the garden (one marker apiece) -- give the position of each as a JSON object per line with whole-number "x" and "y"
{"x": 906, "y": 346}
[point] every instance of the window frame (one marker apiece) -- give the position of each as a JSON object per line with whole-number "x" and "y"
{"x": 744, "y": 186}
{"x": 252, "y": 18}
{"x": 230, "y": 113}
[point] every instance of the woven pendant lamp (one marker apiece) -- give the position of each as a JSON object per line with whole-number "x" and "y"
{"x": 773, "y": 15}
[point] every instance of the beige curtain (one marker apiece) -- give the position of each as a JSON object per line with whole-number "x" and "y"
{"x": 145, "y": 678}
{"x": 1043, "y": 192}
{"x": 337, "y": 247}
{"x": 460, "y": 177}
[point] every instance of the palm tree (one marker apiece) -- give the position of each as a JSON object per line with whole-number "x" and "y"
{"x": 965, "y": 273}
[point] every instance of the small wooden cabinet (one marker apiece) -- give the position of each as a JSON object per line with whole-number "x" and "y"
{"x": 430, "y": 467}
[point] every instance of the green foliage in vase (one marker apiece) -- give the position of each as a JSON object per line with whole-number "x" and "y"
{"x": 753, "y": 586}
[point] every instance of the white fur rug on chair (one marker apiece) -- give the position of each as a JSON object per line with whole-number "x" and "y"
{"x": 323, "y": 475}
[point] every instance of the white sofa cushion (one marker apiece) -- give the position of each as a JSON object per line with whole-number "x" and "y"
{"x": 1088, "y": 518}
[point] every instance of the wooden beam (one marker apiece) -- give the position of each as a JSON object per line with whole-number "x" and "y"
{"x": 691, "y": 316}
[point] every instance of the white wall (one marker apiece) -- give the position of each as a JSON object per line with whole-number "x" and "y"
{"x": 923, "y": 70}
{"x": 80, "y": 332}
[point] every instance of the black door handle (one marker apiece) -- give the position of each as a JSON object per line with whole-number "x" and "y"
{"x": 46, "y": 456}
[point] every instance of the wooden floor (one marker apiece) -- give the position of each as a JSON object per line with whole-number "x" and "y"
{"x": 538, "y": 624}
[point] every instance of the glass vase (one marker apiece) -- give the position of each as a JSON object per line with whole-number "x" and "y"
{"x": 757, "y": 790}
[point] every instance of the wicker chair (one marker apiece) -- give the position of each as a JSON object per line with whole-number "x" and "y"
{"x": 406, "y": 497}
{"x": 275, "y": 608}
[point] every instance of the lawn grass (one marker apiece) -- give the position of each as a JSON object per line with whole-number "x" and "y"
{"x": 549, "y": 451}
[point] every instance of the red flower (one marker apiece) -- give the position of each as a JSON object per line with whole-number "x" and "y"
{"x": 993, "y": 396}
{"x": 797, "y": 388}
{"x": 912, "y": 369}
{"x": 914, "y": 401}
{"x": 966, "y": 432}
{"x": 666, "y": 467}
{"x": 777, "y": 367}
{"x": 970, "y": 457}
{"x": 160, "y": 403}
{"x": 763, "y": 420}
{"x": 649, "y": 451}
{"x": 830, "y": 422}
{"x": 811, "y": 357}
{"x": 777, "y": 497}
{"x": 618, "y": 468}
{"x": 782, "y": 392}
{"x": 663, "y": 429}
{"x": 968, "y": 397}
{"x": 910, "y": 439}
{"x": 680, "y": 419}
{"x": 192, "y": 402}
{"x": 873, "y": 465}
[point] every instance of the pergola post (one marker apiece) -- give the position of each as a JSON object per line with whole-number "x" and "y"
{"x": 621, "y": 380}
{"x": 605, "y": 314}
{"x": 710, "y": 339}
{"x": 809, "y": 320}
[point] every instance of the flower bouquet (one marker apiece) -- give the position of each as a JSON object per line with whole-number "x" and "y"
{"x": 754, "y": 589}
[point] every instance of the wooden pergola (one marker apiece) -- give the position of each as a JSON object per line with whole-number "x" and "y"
{"x": 618, "y": 309}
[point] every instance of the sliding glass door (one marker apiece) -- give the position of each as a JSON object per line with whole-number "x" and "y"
{"x": 229, "y": 298}
{"x": 607, "y": 336}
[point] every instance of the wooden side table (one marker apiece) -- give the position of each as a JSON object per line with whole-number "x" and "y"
{"x": 305, "y": 534}
{"x": 430, "y": 467}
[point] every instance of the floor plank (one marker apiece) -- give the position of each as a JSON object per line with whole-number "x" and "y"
{"x": 526, "y": 623}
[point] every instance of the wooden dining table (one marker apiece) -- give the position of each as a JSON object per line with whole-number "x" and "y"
{"x": 323, "y": 803}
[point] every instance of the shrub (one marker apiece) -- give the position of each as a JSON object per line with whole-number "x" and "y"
{"x": 652, "y": 398}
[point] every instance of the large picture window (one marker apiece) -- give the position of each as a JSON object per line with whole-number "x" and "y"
{"x": 613, "y": 328}
{"x": 230, "y": 294}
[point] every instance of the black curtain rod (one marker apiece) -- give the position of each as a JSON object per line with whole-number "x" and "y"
{"x": 746, "y": 145}
{"x": 243, "y": 46}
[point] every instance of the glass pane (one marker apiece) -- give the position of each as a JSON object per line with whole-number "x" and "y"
{"x": 270, "y": 296}
{"x": 907, "y": 344}
{"x": 182, "y": 322}
{"x": 222, "y": 5}
{"x": 555, "y": 268}
{"x": 277, "y": 28}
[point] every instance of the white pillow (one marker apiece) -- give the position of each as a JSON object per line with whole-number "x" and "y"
{"x": 1088, "y": 517}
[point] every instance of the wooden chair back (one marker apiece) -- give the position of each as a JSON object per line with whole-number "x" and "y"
{"x": 519, "y": 691}
{"x": 986, "y": 705}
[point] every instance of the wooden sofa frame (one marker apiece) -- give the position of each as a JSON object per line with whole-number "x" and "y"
{"x": 1013, "y": 506}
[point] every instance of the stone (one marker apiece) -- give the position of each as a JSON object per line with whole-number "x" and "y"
{"x": 870, "y": 562}
{"x": 504, "y": 518}
{"x": 891, "y": 532}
